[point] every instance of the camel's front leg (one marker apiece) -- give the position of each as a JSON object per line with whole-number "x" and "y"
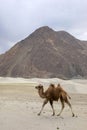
{"x": 44, "y": 103}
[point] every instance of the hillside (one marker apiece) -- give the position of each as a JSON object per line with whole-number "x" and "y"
{"x": 46, "y": 53}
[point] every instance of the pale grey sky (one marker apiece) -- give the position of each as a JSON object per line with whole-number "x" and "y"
{"x": 19, "y": 18}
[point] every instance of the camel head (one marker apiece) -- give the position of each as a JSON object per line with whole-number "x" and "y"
{"x": 39, "y": 87}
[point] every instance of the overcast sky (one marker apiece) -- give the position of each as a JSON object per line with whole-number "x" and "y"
{"x": 19, "y": 18}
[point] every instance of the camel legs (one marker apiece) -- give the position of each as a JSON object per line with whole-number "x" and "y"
{"x": 44, "y": 103}
{"x": 70, "y": 108}
{"x": 62, "y": 103}
{"x": 51, "y": 103}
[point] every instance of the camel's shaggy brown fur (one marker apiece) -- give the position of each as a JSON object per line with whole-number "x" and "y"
{"x": 53, "y": 94}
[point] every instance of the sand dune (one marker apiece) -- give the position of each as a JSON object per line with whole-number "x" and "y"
{"x": 72, "y": 86}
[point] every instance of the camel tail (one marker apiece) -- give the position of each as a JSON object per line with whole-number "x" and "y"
{"x": 68, "y": 96}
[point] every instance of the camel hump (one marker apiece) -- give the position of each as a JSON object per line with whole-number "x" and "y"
{"x": 52, "y": 85}
{"x": 59, "y": 85}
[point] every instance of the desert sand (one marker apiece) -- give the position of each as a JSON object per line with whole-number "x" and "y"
{"x": 20, "y": 104}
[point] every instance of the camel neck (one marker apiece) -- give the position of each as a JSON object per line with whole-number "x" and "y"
{"x": 41, "y": 93}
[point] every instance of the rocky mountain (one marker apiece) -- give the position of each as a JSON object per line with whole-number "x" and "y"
{"x": 46, "y": 53}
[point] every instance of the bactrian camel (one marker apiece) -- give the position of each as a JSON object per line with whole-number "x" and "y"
{"x": 54, "y": 94}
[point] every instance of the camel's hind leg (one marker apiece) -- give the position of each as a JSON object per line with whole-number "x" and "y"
{"x": 69, "y": 104}
{"x": 44, "y": 103}
{"x": 51, "y": 103}
{"x": 63, "y": 105}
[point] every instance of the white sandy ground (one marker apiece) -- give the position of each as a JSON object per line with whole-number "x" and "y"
{"x": 20, "y": 103}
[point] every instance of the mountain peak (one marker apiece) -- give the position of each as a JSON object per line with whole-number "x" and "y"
{"x": 46, "y": 53}
{"x": 44, "y": 29}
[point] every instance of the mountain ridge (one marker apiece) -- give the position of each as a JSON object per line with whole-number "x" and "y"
{"x": 46, "y": 53}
